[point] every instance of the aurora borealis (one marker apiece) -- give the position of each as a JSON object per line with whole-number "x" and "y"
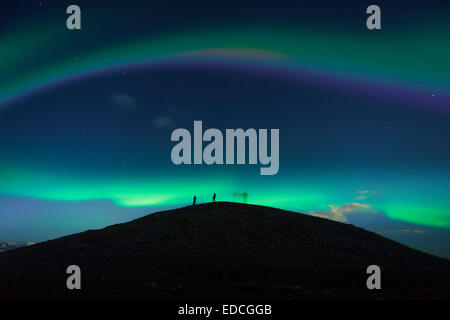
{"x": 86, "y": 116}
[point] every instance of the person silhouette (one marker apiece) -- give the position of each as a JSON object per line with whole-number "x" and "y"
{"x": 195, "y": 199}
{"x": 214, "y": 197}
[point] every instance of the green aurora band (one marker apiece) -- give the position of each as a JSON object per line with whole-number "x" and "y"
{"x": 380, "y": 58}
{"x": 330, "y": 52}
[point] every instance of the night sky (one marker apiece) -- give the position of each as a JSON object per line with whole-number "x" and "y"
{"x": 86, "y": 115}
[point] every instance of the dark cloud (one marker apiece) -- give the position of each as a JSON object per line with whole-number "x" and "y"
{"x": 124, "y": 101}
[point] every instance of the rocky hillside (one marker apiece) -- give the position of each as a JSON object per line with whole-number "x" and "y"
{"x": 224, "y": 250}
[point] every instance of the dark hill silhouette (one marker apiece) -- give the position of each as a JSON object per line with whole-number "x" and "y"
{"x": 224, "y": 250}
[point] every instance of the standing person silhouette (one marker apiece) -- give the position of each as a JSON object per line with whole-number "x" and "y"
{"x": 195, "y": 199}
{"x": 214, "y": 197}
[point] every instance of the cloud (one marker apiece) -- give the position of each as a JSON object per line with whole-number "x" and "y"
{"x": 164, "y": 122}
{"x": 363, "y": 194}
{"x": 124, "y": 101}
{"x": 403, "y": 231}
{"x": 338, "y": 213}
